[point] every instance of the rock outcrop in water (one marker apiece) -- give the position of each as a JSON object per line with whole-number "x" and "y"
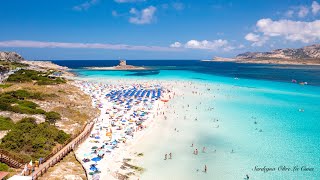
{"x": 11, "y": 56}
{"x": 307, "y": 52}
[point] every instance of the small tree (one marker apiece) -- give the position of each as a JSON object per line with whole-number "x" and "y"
{"x": 52, "y": 117}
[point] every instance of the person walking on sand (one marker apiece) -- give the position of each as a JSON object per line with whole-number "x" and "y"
{"x": 205, "y": 168}
{"x": 165, "y": 157}
{"x": 170, "y": 156}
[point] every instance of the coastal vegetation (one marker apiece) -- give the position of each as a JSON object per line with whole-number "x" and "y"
{"x": 3, "y": 86}
{"x": 12, "y": 65}
{"x": 65, "y": 99}
{"x": 6, "y": 123}
{"x": 30, "y": 140}
{"x": 52, "y": 117}
{"x": 4, "y": 167}
{"x": 16, "y": 101}
{"x": 38, "y": 77}
{"x": 39, "y": 112}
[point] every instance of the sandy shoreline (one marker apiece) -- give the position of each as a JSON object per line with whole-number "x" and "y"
{"x": 112, "y": 164}
{"x": 156, "y": 125}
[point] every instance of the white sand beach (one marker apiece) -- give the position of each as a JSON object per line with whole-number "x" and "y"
{"x": 128, "y": 110}
{"x": 184, "y": 98}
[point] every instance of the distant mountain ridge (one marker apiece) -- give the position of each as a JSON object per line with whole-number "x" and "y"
{"x": 307, "y": 52}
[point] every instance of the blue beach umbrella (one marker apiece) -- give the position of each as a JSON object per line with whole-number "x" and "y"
{"x": 93, "y": 168}
{"x": 96, "y": 159}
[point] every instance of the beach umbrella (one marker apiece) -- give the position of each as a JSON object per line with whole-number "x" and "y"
{"x": 114, "y": 142}
{"x": 96, "y": 159}
{"x": 94, "y": 147}
{"x": 93, "y": 168}
{"x": 100, "y": 153}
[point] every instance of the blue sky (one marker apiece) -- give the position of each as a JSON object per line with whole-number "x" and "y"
{"x": 155, "y": 29}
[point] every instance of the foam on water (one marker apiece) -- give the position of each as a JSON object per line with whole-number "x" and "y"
{"x": 289, "y": 137}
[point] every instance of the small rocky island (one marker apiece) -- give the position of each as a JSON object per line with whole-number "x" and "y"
{"x": 122, "y": 66}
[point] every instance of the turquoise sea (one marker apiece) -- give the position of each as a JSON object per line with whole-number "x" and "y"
{"x": 271, "y": 125}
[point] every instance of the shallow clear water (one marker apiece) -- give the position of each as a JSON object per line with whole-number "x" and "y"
{"x": 289, "y": 137}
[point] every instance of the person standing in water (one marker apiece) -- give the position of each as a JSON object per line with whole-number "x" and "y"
{"x": 170, "y": 156}
{"x": 205, "y": 168}
{"x": 165, "y": 157}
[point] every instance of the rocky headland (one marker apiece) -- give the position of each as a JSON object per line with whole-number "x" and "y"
{"x": 308, "y": 55}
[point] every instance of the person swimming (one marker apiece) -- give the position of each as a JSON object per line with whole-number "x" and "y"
{"x": 196, "y": 152}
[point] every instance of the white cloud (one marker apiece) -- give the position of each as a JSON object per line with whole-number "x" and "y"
{"x": 86, "y": 5}
{"x": 256, "y": 39}
{"x": 176, "y": 45}
{"x": 252, "y": 37}
{"x": 315, "y": 7}
{"x": 128, "y": 1}
{"x": 303, "y": 12}
{"x": 214, "y": 45}
{"x": 205, "y": 44}
{"x": 291, "y": 30}
{"x": 41, "y": 44}
{"x": 144, "y": 16}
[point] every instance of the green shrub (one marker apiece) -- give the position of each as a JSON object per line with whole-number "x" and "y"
{"x": 4, "y": 167}
{"x": 52, "y": 117}
{"x": 33, "y": 140}
{"x": 42, "y": 78}
{"x": 6, "y": 123}
{"x": 15, "y": 101}
{"x": 3, "y": 86}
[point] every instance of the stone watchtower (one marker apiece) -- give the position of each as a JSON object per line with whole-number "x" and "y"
{"x": 123, "y": 63}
